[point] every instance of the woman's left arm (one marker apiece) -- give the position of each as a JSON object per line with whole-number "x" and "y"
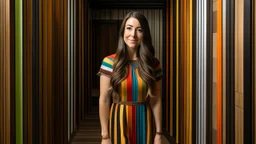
{"x": 156, "y": 105}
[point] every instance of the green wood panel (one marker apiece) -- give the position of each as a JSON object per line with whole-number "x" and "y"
{"x": 18, "y": 72}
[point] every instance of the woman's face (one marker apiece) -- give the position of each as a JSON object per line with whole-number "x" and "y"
{"x": 133, "y": 33}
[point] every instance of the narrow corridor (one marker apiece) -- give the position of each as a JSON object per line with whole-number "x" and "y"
{"x": 89, "y": 131}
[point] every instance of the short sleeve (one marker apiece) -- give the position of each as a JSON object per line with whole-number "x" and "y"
{"x": 106, "y": 67}
{"x": 158, "y": 70}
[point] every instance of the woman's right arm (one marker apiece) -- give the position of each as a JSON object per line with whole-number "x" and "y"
{"x": 104, "y": 104}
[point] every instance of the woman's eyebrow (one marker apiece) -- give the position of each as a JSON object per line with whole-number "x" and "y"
{"x": 131, "y": 25}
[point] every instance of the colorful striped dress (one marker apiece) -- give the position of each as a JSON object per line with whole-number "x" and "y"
{"x": 131, "y": 123}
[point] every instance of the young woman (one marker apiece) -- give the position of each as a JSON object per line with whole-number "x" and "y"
{"x": 131, "y": 77}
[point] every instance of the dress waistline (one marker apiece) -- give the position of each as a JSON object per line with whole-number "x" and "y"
{"x": 132, "y": 103}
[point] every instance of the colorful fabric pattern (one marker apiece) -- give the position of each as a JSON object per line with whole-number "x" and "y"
{"x": 131, "y": 124}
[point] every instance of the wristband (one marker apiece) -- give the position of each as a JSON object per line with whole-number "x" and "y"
{"x": 105, "y": 137}
{"x": 159, "y": 133}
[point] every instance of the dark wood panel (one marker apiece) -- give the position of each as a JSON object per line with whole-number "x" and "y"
{"x": 105, "y": 38}
{"x": 230, "y": 77}
{"x": 27, "y": 72}
{"x": 209, "y": 72}
{"x": 248, "y": 75}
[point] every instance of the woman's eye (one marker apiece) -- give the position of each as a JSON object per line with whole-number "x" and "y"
{"x": 140, "y": 30}
{"x": 129, "y": 28}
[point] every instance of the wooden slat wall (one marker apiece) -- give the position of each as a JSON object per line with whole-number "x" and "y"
{"x": 179, "y": 66}
{"x": 46, "y": 66}
{"x": 239, "y": 97}
{"x": 5, "y": 72}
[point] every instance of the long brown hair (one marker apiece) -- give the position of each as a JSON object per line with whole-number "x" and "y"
{"x": 145, "y": 55}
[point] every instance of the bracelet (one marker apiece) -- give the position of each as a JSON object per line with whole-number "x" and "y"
{"x": 106, "y": 137}
{"x": 159, "y": 133}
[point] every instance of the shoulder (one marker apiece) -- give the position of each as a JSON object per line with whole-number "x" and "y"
{"x": 108, "y": 62}
{"x": 109, "y": 59}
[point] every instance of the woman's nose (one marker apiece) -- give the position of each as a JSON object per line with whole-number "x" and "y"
{"x": 133, "y": 33}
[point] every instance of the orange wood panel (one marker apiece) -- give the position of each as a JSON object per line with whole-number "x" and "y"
{"x": 182, "y": 72}
{"x": 219, "y": 72}
{"x": 49, "y": 61}
{"x": 177, "y": 72}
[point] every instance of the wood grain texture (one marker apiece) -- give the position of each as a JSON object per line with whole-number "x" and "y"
{"x": 177, "y": 71}
{"x": 27, "y": 69}
{"x": 239, "y": 12}
{"x": 219, "y": 72}
{"x": 5, "y": 76}
{"x": 169, "y": 67}
{"x": 254, "y": 71}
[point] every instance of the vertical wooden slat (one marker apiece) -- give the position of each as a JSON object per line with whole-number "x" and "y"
{"x": 8, "y": 73}
{"x": 25, "y": 74}
{"x": 219, "y": 72}
{"x": 65, "y": 88}
{"x": 230, "y": 90}
{"x": 254, "y": 25}
{"x": 30, "y": 97}
{"x": 248, "y": 62}
{"x": 177, "y": 70}
{"x": 49, "y": 46}
{"x": 41, "y": 124}
{"x": 45, "y": 71}
{"x": 18, "y": 71}
{"x": 27, "y": 24}
{"x": 181, "y": 69}
{"x": 190, "y": 95}
{"x": 1, "y": 72}
{"x": 224, "y": 71}
{"x": 167, "y": 67}
{"x": 5, "y": 77}
{"x": 83, "y": 59}
{"x": 239, "y": 81}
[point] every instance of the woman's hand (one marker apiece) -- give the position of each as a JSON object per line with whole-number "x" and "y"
{"x": 106, "y": 141}
{"x": 158, "y": 139}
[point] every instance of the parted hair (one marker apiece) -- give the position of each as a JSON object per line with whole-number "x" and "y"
{"x": 145, "y": 55}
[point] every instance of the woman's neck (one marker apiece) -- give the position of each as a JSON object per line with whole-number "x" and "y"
{"x": 132, "y": 54}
